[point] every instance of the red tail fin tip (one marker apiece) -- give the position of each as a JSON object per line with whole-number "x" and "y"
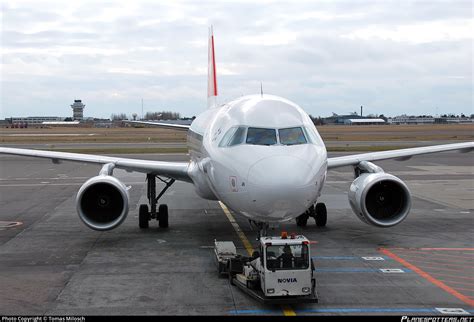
{"x": 211, "y": 73}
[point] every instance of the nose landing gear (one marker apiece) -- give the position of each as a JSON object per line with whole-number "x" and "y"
{"x": 262, "y": 228}
{"x": 318, "y": 212}
{"x": 321, "y": 216}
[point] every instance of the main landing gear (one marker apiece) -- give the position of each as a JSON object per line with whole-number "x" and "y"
{"x": 144, "y": 216}
{"x": 318, "y": 212}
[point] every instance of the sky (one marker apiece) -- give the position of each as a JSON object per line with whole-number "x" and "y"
{"x": 392, "y": 57}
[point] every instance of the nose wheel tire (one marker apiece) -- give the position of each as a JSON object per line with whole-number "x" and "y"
{"x": 143, "y": 216}
{"x": 163, "y": 216}
{"x": 302, "y": 220}
{"x": 321, "y": 216}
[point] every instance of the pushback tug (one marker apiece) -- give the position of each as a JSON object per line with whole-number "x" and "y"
{"x": 280, "y": 272}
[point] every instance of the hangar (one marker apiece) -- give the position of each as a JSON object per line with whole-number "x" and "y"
{"x": 363, "y": 121}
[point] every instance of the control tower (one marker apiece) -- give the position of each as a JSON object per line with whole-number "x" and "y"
{"x": 77, "y": 110}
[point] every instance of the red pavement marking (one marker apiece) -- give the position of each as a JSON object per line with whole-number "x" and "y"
{"x": 466, "y": 289}
{"x": 455, "y": 276}
{"x": 471, "y": 249}
{"x": 439, "y": 269}
{"x": 441, "y": 263}
{"x": 469, "y": 256}
{"x": 428, "y": 277}
{"x": 456, "y": 282}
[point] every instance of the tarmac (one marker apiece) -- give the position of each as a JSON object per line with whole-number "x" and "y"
{"x": 52, "y": 264}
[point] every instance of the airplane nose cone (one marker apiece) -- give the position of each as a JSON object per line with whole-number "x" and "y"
{"x": 281, "y": 186}
{"x": 285, "y": 171}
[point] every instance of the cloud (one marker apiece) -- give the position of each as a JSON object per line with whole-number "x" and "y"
{"x": 454, "y": 29}
{"x": 393, "y": 57}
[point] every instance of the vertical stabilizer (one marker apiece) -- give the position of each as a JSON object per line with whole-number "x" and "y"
{"x": 211, "y": 73}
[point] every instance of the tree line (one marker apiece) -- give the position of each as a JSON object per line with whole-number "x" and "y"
{"x": 163, "y": 115}
{"x": 168, "y": 115}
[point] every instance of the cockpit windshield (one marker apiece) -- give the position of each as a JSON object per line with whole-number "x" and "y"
{"x": 265, "y": 136}
{"x": 291, "y": 136}
{"x": 259, "y": 136}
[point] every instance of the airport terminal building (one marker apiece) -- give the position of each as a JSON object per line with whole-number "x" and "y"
{"x": 352, "y": 119}
{"x": 32, "y": 120}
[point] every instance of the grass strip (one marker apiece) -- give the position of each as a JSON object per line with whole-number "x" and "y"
{"x": 185, "y": 150}
{"x": 121, "y": 150}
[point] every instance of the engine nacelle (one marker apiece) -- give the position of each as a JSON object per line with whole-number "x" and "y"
{"x": 380, "y": 199}
{"x": 102, "y": 202}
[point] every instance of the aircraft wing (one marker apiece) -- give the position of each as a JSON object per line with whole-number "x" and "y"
{"x": 161, "y": 124}
{"x": 175, "y": 170}
{"x": 401, "y": 154}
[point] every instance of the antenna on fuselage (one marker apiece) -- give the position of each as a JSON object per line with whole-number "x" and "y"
{"x": 261, "y": 89}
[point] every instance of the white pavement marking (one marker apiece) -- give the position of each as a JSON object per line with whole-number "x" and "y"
{"x": 392, "y": 270}
{"x": 452, "y": 310}
{"x": 9, "y": 224}
{"x": 443, "y": 169}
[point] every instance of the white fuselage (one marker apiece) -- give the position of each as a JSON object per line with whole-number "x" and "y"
{"x": 266, "y": 183}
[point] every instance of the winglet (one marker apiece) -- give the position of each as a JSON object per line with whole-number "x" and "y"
{"x": 211, "y": 73}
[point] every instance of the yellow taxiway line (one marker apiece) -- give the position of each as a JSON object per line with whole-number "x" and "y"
{"x": 240, "y": 233}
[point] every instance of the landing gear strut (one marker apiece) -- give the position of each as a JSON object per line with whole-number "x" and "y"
{"x": 262, "y": 228}
{"x": 144, "y": 216}
{"x": 302, "y": 220}
{"x": 318, "y": 212}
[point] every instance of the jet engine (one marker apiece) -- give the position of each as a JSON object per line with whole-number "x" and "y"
{"x": 102, "y": 202}
{"x": 380, "y": 199}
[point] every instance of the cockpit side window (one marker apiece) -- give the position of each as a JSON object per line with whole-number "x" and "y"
{"x": 238, "y": 137}
{"x": 292, "y": 136}
{"x": 226, "y": 138}
{"x": 260, "y": 136}
{"x": 313, "y": 136}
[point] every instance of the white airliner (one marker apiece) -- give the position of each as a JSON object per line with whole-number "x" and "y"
{"x": 260, "y": 155}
